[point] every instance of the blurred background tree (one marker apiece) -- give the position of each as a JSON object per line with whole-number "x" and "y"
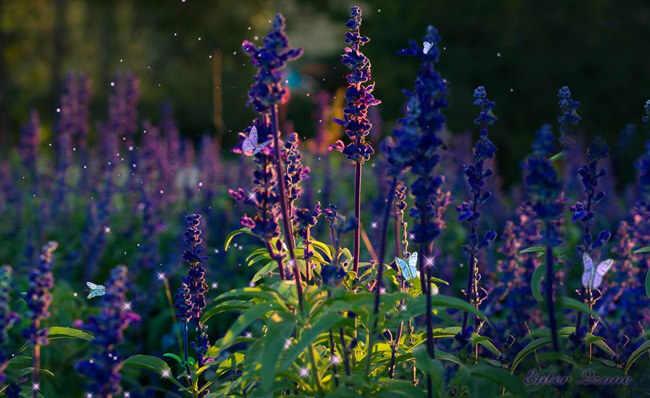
{"x": 189, "y": 52}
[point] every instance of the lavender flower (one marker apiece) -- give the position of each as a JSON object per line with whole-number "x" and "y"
{"x": 583, "y": 211}
{"x": 544, "y": 189}
{"x": 190, "y": 298}
{"x": 108, "y": 328}
{"x": 265, "y": 223}
{"x": 265, "y": 94}
{"x": 192, "y": 301}
{"x": 568, "y": 112}
{"x": 416, "y": 143}
{"x": 470, "y": 211}
{"x": 38, "y": 297}
{"x": 268, "y": 89}
{"x": 7, "y": 317}
{"x": 358, "y": 95}
{"x": 305, "y": 220}
{"x": 38, "y": 300}
{"x": 296, "y": 172}
{"x": 359, "y": 98}
{"x": 28, "y": 147}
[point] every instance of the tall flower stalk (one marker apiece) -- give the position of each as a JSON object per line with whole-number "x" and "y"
{"x": 584, "y": 214}
{"x": 190, "y": 298}
{"x": 108, "y": 329}
{"x": 359, "y": 98}
{"x": 38, "y": 299}
{"x": 416, "y": 149}
{"x": 469, "y": 211}
{"x": 7, "y": 317}
{"x": 265, "y": 94}
{"x": 545, "y": 191}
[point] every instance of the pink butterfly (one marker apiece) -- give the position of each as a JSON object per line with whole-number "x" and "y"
{"x": 593, "y": 275}
{"x": 250, "y": 147}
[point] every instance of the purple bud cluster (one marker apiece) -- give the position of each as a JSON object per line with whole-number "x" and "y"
{"x": 568, "y": 111}
{"x": 270, "y": 60}
{"x": 7, "y": 317}
{"x": 38, "y": 297}
{"x": 583, "y": 211}
{"x": 108, "y": 329}
{"x": 358, "y": 95}
{"x": 265, "y": 198}
{"x": 190, "y": 299}
{"x": 29, "y": 137}
{"x": 296, "y": 172}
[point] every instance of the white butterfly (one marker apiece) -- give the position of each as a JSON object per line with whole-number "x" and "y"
{"x": 250, "y": 146}
{"x": 95, "y": 290}
{"x": 409, "y": 267}
{"x": 427, "y": 47}
{"x": 593, "y": 275}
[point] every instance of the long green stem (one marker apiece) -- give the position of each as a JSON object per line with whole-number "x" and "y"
{"x": 550, "y": 276}
{"x": 286, "y": 222}
{"x": 380, "y": 273}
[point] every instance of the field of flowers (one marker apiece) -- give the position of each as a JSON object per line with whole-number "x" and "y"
{"x": 359, "y": 262}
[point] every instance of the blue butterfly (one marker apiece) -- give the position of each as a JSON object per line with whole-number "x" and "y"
{"x": 95, "y": 290}
{"x": 409, "y": 267}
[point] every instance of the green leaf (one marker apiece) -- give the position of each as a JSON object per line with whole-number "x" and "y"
{"x": 573, "y": 304}
{"x": 274, "y": 341}
{"x": 174, "y": 356}
{"x": 501, "y": 378}
{"x": 265, "y": 270}
{"x": 536, "y": 280}
{"x": 529, "y": 349}
{"x": 243, "y": 321}
{"x": 557, "y": 156}
{"x": 485, "y": 342}
{"x": 60, "y": 332}
{"x": 153, "y": 364}
{"x": 642, "y": 250}
{"x": 645, "y": 347}
{"x": 533, "y": 249}
{"x": 231, "y": 235}
{"x": 431, "y": 367}
{"x": 323, "y": 324}
{"x": 453, "y": 302}
{"x": 233, "y": 305}
{"x": 647, "y": 284}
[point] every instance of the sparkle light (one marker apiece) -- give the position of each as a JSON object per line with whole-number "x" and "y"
{"x": 161, "y": 276}
{"x": 304, "y": 372}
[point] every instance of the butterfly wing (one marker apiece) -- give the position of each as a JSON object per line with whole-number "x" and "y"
{"x": 91, "y": 285}
{"x": 93, "y": 294}
{"x": 426, "y": 48}
{"x": 249, "y": 145}
{"x": 588, "y": 270}
{"x": 413, "y": 265}
{"x": 261, "y": 146}
{"x": 253, "y": 135}
{"x": 403, "y": 267}
{"x": 601, "y": 270}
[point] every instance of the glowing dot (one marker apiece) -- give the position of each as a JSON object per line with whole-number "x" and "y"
{"x": 126, "y": 306}
{"x": 498, "y": 55}
{"x": 287, "y": 343}
{"x": 402, "y": 307}
{"x": 335, "y": 360}
{"x": 36, "y": 386}
{"x": 304, "y": 372}
{"x": 373, "y": 225}
{"x": 161, "y": 276}
{"x": 248, "y": 335}
{"x": 112, "y": 84}
{"x": 74, "y": 294}
{"x": 165, "y": 373}
{"x": 58, "y": 110}
{"x": 107, "y": 230}
{"x": 215, "y": 285}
